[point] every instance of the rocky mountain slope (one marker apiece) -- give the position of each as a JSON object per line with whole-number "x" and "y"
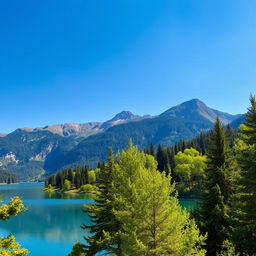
{"x": 87, "y": 129}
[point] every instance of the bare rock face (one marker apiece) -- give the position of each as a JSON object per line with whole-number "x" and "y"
{"x": 72, "y": 129}
{"x": 87, "y": 129}
{"x": 122, "y": 117}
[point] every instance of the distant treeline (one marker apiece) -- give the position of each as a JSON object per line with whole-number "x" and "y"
{"x": 77, "y": 176}
{"x": 165, "y": 155}
{"x": 8, "y": 178}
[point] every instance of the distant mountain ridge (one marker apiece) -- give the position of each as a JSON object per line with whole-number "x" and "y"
{"x": 237, "y": 122}
{"x": 33, "y": 153}
{"x": 90, "y": 128}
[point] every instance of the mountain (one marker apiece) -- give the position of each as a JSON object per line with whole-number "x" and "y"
{"x": 236, "y": 123}
{"x": 122, "y": 117}
{"x": 184, "y": 121}
{"x": 23, "y": 152}
{"x": 35, "y": 153}
{"x": 2, "y": 134}
{"x": 72, "y": 129}
{"x": 87, "y": 129}
{"x": 196, "y": 110}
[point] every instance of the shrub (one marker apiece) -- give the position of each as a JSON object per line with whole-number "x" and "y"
{"x": 88, "y": 188}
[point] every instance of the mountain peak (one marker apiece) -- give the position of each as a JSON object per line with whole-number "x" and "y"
{"x": 124, "y": 115}
{"x": 193, "y": 102}
{"x": 197, "y": 110}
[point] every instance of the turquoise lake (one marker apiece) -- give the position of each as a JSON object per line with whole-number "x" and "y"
{"x": 52, "y": 222}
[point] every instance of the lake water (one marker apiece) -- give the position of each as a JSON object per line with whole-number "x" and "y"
{"x": 52, "y": 222}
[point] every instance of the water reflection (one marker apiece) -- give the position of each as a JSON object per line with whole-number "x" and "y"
{"x": 52, "y": 222}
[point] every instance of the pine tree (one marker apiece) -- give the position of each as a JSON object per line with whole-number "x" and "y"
{"x": 77, "y": 179}
{"x": 219, "y": 188}
{"x": 59, "y": 180}
{"x": 152, "y": 222}
{"x": 70, "y": 176}
{"x": 105, "y": 226}
{"x": 245, "y": 232}
{"x": 152, "y": 150}
{"x": 163, "y": 160}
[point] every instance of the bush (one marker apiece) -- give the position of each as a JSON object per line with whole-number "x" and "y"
{"x": 92, "y": 176}
{"x": 49, "y": 188}
{"x": 88, "y": 188}
{"x": 67, "y": 185}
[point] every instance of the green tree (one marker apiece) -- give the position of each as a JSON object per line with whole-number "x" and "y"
{"x": 77, "y": 250}
{"x": 59, "y": 179}
{"x": 219, "y": 188}
{"x": 91, "y": 177}
{"x": 190, "y": 166}
{"x": 245, "y": 212}
{"x": 70, "y": 176}
{"x": 87, "y": 188}
{"x": 152, "y": 150}
{"x": 77, "y": 179}
{"x": 8, "y": 245}
{"x": 152, "y": 222}
{"x": 67, "y": 185}
{"x": 104, "y": 231}
{"x": 163, "y": 160}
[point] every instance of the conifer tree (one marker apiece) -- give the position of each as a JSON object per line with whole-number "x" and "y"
{"x": 105, "y": 226}
{"x": 152, "y": 150}
{"x": 245, "y": 232}
{"x": 163, "y": 160}
{"x": 219, "y": 188}
{"x": 77, "y": 179}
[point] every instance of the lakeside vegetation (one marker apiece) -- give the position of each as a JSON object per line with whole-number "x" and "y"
{"x": 7, "y": 178}
{"x": 136, "y": 210}
{"x": 76, "y": 180}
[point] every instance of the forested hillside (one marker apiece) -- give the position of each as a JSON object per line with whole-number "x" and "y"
{"x": 8, "y": 178}
{"x": 33, "y": 154}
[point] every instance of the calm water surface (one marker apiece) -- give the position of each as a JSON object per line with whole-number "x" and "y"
{"x": 52, "y": 222}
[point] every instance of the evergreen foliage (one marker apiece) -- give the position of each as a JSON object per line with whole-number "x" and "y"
{"x": 67, "y": 178}
{"x": 77, "y": 250}
{"x": 134, "y": 213}
{"x": 8, "y": 178}
{"x": 214, "y": 211}
{"x": 105, "y": 227}
{"x": 245, "y": 211}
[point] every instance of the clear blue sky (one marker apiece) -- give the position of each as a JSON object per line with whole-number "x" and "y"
{"x": 85, "y": 60}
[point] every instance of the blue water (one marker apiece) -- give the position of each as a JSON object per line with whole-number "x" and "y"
{"x": 52, "y": 222}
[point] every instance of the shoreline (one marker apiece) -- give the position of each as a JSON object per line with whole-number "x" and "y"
{"x": 72, "y": 191}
